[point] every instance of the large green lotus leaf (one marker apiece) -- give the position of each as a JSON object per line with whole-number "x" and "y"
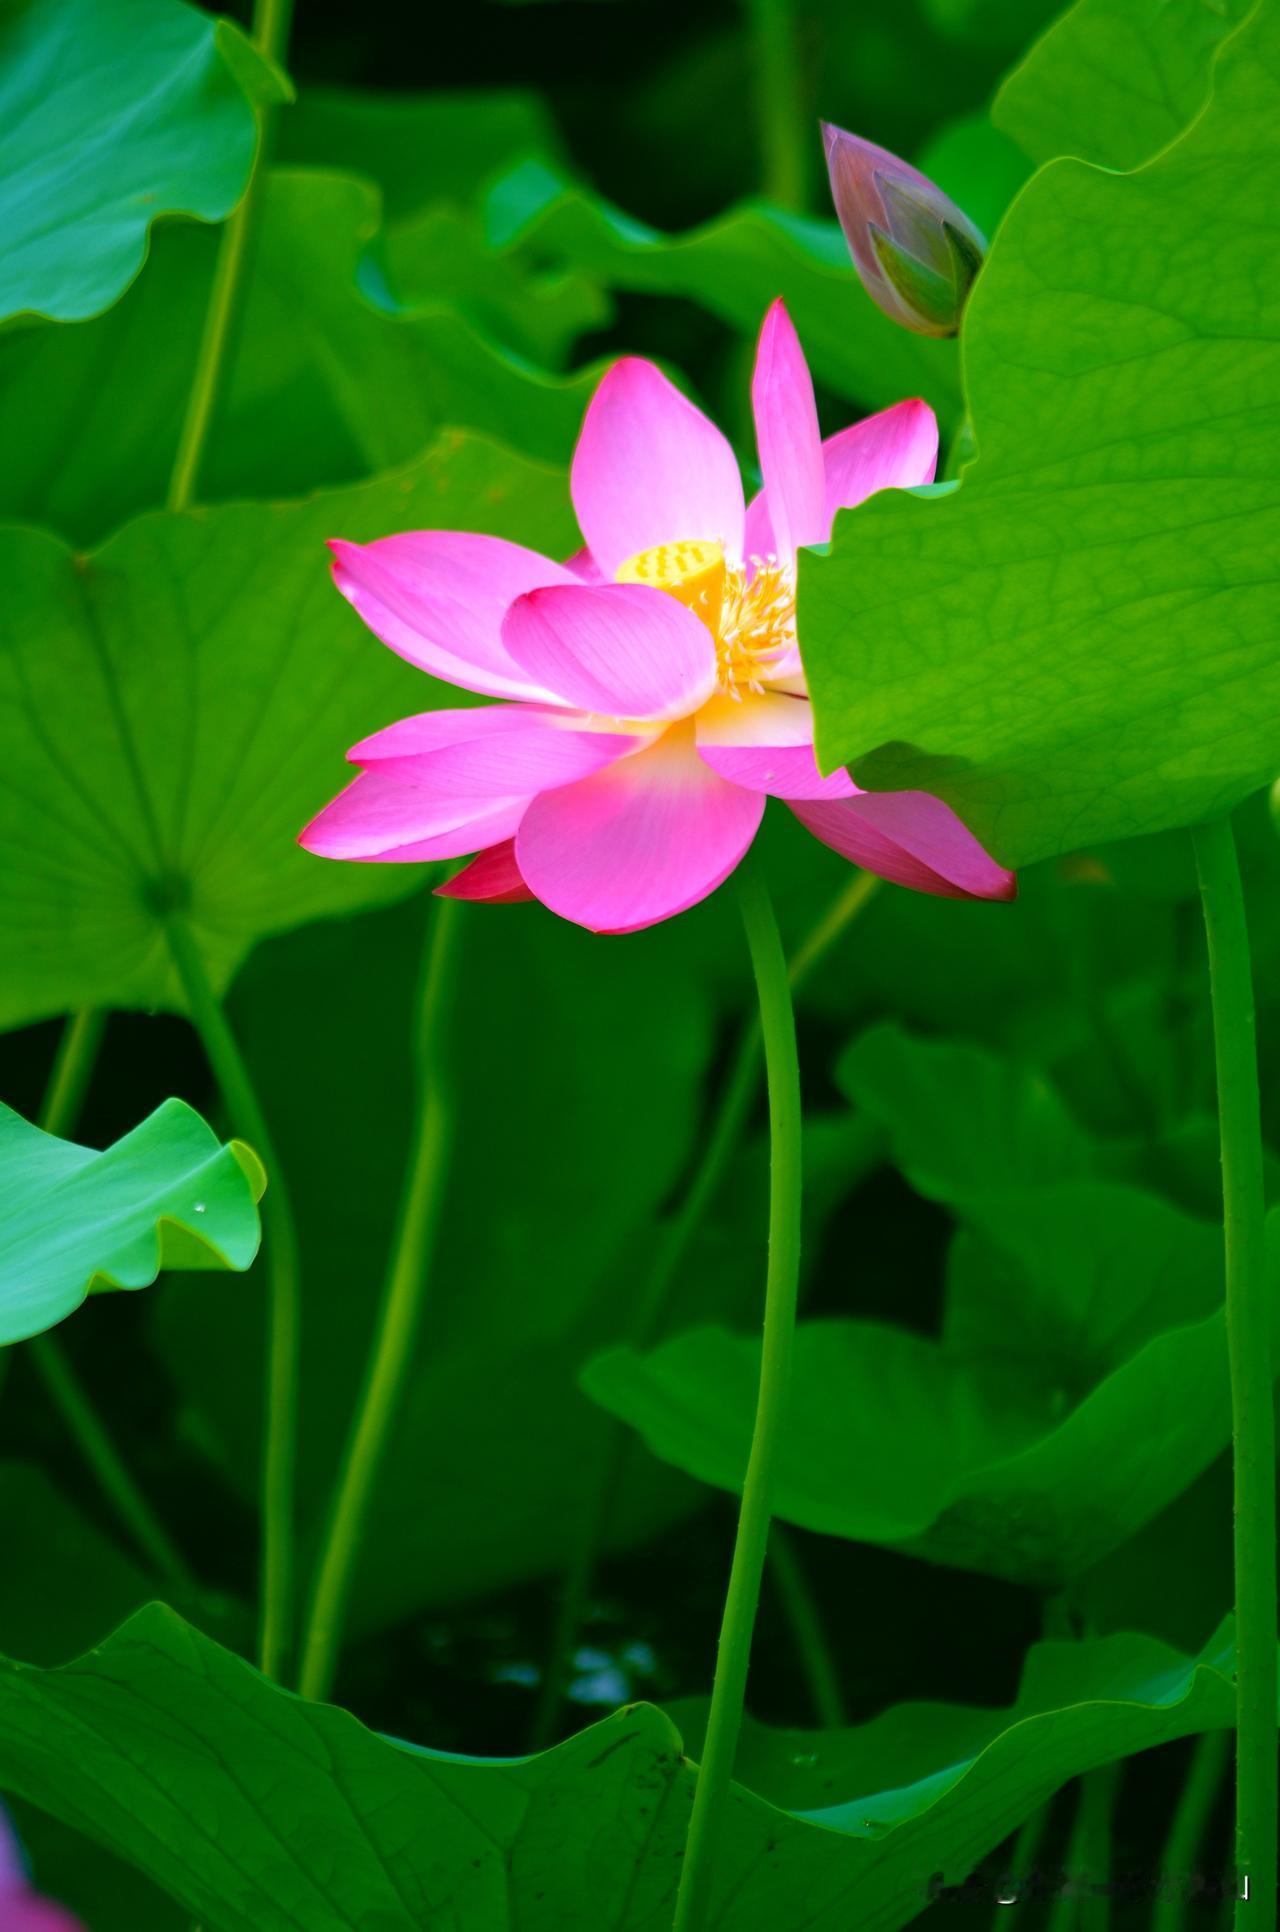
{"x": 734, "y": 266}
{"x": 1079, "y": 1386}
{"x": 176, "y": 705}
{"x": 1070, "y": 1280}
{"x": 261, "y": 1813}
{"x": 419, "y": 148}
{"x": 1113, "y": 81}
{"x": 930, "y": 1764}
{"x": 1078, "y": 643}
{"x": 331, "y": 376}
{"x": 114, "y": 113}
{"x": 899, "y": 1440}
{"x": 72, "y": 1220}
{"x": 1148, "y": 1584}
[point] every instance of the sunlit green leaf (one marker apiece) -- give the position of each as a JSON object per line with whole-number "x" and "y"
{"x": 978, "y": 165}
{"x": 1113, "y": 81}
{"x": 1079, "y": 642}
{"x": 169, "y": 1195}
{"x": 114, "y": 113}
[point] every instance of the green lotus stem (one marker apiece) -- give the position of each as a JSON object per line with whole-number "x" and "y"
{"x": 1189, "y": 1828}
{"x": 270, "y": 33}
{"x": 1026, "y": 1850}
{"x": 1056, "y": 1626}
{"x": 602, "y": 1497}
{"x": 792, "y": 1585}
{"x": 1089, "y": 1854}
{"x": 784, "y": 118}
{"x": 85, "y": 1424}
{"x": 284, "y": 1297}
{"x": 782, "y": 1070}
{"x": 403, "y": 1295}
{"x": 726, "y": 1131}
{"x": 834, "y": 923}
{"x": 1249, "y": 1351}
{"x": 72, "y": 1070}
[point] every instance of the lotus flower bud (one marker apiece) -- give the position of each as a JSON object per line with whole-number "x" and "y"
{"x": 916, "y": 252}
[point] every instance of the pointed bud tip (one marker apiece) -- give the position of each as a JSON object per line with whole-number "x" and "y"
{"x": 917, "y": 254}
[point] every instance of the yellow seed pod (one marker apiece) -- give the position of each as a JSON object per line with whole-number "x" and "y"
{"x": 691, "y": 570}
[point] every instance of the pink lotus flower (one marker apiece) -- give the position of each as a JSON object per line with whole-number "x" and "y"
{"x": 21, "y": 1909}
{"x": 654, "y": 690}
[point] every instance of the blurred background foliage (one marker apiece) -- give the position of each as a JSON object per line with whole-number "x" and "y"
{"x": 469, "y": 210}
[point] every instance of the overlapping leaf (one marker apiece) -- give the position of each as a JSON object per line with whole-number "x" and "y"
{"x": 421, "y": 149}
{"x": 112, "y": 114}
{"x": 1080, "y": 1383}
{"x": 260, "y": 1813}
{"x": 735, "y": 266}
{"x": 331, "y": 376}
{"x": 177, "y": 704}
{"x": 168, "y": 1195}
{"x": 1113, "y": 81}
{"x": 1079, "y": 643}
{"x": 439, "y": 256}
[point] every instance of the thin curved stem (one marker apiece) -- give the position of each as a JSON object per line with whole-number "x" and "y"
{"x": 787, "y": 1575}
{"x": 726, "y": 1131}
{"x": 1022, "y": 1859}
{"x": 782, "y": 1069}
{"x": 284, "y": 1291}
{"x": 117, "y": 1484}
{"x": 72, "y": 1071}
{"x": 64, "y": 1095}
{"x": 1249, "y": 1350}
{"x": 1087, "y": 1907}
{"x": 1056, "y": 1625}
{"x": 270, "y": 32}
{"x": 403, "y": 1295}
{"x": 1188, "y": 1829}
{"x": 848, "y": 903}
{"x": 783, "y": 115}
